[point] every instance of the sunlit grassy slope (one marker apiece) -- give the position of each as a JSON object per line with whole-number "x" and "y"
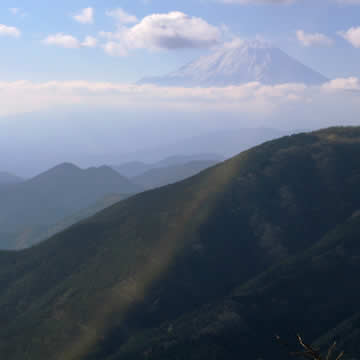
{"x": 208, "y": 268}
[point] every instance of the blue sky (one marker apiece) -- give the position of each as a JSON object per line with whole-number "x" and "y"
{"x": 68, "y": 72}
{"x": 27, "y": 57}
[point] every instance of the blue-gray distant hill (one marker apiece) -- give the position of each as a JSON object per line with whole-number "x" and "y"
{"x": 185, "y": 159}
{"x": 7, "y": 178}
{"x": 136, "y": 168}
{"x": 132, "y": 168}
{"x": 245, "y": 62}
{"x": 31, "y": 208}
{"x": 170, "y": 174}
{"x": 212, "y": 145}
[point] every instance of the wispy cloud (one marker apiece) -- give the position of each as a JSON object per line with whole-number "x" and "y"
{"x": 350, "y": 83}
{"x": 313, "y": 39}
{"x": 122, "y": 16}
{"x": 252, "y": 97}
{"x": 63, "y": 40}
{"x": 291, "y": 105}
{"x": 69, "y": 41}
{"x": 15, "y": 11}
{"x": 9, "y": 31}
{"x": 86, "y": 16}
{"x": 89, "y": 41}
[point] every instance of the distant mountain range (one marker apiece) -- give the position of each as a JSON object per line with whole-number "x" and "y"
{"x": 135, "y": 168}
{"x": 167, "y": 171}
{"x": 212, "y": 267}
{"x": 29, "y": 210}
{"x": 214, "y": 145}
{"x": 170, "y": 174}
{"x": 132, "y": 168}
{"x": 240, "y": 63}
{"x": 34, "y": 210}
{"x": 37, "y": 208}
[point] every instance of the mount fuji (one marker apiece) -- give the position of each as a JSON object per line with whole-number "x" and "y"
{"x": 239, "y": 63}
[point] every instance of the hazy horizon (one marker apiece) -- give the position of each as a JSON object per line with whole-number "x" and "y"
{"x": 76, "y": 97}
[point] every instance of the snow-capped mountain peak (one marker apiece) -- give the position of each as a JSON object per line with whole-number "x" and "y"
{"x": 238, "y": 63}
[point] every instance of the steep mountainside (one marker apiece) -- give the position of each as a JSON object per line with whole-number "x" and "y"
{"x": 245, "y": 62}
{"x": 34, "y": 234}
{"x": 208, "y": 268}
{"x": 158, "y": 177}
{"x": 29, "y": 209}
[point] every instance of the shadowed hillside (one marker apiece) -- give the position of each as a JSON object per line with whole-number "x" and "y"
{"x": 209, "y": 268}
{"x": 31, "y": 209}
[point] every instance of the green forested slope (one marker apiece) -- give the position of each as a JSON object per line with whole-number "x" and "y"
{"x": 208, "y": 268}
{"x": 314, "y": 294}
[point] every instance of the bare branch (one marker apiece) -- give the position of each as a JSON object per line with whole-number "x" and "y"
{"x": 330, "y": 351}
{"x": 301, "y": 354}
{"x": 309, "y": 352}
{"x": 314, "y": 352}
{"x": 340, "y": 356}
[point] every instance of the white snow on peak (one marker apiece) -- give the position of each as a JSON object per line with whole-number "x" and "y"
{"x": 240, "y": 62}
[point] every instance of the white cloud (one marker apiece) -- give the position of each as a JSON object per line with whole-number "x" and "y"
{"x": 114, "y": 48}
{"x": 86, "y": 16}
{"x": 90, "y": 42}
{"x": 312, "y": 39}
{"x": 15, "y": 11}
{"x": 351, "y": 83}
{"x": 352, "y": 36}
{"x": 18, "y": 12}
{"x": 63, "y": 40}
{"x": 251, "y": 97}
{"x": 69, "y": 41}
{"x": 122, "y": 16}
{"x": 252, "y": 104}
{"x": 9, "y": 31}
{"x": 171, "y": 31}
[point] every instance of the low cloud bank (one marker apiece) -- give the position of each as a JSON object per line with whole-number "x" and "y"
{"x": 252, "y": 98}
{"x": 42, "y": 124}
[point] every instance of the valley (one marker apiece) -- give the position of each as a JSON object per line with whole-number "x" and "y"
{"x": 262, "y": 244}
